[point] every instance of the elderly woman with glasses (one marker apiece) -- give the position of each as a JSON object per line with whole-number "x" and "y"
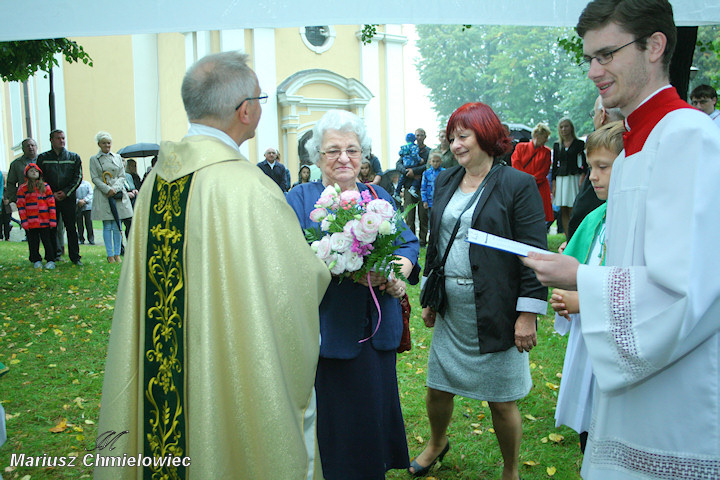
{"x": 360, "y": 426}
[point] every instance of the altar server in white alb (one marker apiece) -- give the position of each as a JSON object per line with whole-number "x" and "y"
{"x": 651, "y": 315}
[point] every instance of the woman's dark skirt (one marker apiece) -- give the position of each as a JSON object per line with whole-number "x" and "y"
{"x": 360, "y": 427}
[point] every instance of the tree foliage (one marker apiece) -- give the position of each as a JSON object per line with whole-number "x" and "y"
{"x": 707, "y": 57}
{"x": 19, "y": 60}
{"x": 521, "y": 72}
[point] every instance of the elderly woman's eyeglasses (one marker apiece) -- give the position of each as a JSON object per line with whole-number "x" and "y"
{"x": 603, "y": 58}
{"x": 334, "y": 153}
{"x": 261, "y": 99}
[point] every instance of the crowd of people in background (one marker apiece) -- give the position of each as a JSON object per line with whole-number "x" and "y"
{"x": 640, "y": 309}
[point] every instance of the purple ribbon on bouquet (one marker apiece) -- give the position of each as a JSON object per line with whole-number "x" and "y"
{"x": 377, "y": 305}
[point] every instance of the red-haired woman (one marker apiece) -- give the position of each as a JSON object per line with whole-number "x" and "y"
{"x": 481, "y": 339}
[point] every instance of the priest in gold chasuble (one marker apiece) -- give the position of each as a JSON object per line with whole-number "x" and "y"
{"x": 214, "y": 341}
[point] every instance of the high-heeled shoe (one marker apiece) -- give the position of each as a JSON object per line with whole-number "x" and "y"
{"x": 421, "y": 471}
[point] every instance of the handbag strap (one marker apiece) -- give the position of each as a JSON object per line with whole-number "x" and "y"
{"x": 374, "y": 193}
{"x": 533, "y": 156}
{"x": 469, "y": 204}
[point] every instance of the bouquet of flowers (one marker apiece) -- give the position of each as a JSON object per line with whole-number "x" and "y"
{"x": 356, "y": 233}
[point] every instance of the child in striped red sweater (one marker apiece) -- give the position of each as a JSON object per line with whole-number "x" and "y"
{"x": 36, "y": 206}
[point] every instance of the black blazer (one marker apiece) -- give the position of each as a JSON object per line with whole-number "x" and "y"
{"x": 565, "y": 161}
{"x": 510, "y": 207}
{"x": 277, "y": 173}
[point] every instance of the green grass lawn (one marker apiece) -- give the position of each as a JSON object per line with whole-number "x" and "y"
{"x": 54, "y": 333}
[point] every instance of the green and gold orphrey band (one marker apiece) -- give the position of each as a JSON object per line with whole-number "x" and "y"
{"x": 165, "y": 429}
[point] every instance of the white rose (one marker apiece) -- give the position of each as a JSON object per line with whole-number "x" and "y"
{"x": 325, "y": 224}
{"x": 386, "y": 228}
{"x": 339, "y": 265}
{"x": 341, "y": 242}
{"x": 353, "y": 262}
{"x": 349, "y": 226}
{"x": 322, "y": 248}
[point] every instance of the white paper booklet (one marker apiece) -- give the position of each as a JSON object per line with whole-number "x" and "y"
{"x": 493, "y": 241}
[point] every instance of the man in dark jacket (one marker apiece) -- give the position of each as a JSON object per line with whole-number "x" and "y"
{"x": 62, "y": 170}
{"x": 274, "y": 169}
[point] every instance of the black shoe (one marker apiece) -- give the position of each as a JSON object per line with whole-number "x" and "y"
{"x": 77, "y": 263}
{"x": 421, "y": 471}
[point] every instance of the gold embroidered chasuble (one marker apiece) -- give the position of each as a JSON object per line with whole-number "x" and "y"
{"x": 214, "y": 341}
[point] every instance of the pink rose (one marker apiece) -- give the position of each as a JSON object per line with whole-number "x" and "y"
{"x": 349, "y": 196}
{"x": 318, "y": 214}
{"x": 362, "y": 235}
{"x": 370, "y": 222}
{"x": 325, "y": 201}
{"x": 382, "y": 208}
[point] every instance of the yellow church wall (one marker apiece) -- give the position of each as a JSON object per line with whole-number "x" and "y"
{"x": 292, "y": 55}
{"x": 171, "y": 70}
{"x": 320, "y": 90}
{"x": 100, "y": 97}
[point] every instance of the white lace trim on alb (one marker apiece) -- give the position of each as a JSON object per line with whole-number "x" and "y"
{"x": 620, "y": 294}
{"x": 661, "y": 466}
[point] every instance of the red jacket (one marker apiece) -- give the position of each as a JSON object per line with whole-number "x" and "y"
{"x": 36, "y": 209}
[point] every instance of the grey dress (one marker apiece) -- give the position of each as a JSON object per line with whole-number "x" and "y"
{"x": 455, "y": 364}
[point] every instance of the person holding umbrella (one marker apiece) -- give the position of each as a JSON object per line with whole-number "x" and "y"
{"x": 112, "y": 205}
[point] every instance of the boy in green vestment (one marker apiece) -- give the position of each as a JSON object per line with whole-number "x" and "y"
{"x": 587, "y": 245}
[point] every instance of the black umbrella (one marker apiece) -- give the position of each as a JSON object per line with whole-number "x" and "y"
{"x": 139, "y": 150}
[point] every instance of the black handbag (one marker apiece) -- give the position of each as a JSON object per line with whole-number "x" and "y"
{"x": 432, "y": 293}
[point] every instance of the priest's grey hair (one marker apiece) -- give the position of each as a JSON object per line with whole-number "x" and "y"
{"x": 216, "y": 84}
{"x": 341, "y": 120}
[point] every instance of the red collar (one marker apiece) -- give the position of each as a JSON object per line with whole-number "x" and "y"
{"x": 642, "y": 121}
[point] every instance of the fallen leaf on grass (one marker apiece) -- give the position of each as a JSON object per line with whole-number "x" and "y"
{"x": 60, "y": 427}
{"x": 477, "y": 432}
{"x": 89, "y": 422}
{"x": 419, "y": 439}
{"x": 556, "y": 437}
{"x": 530, "y": 463}
{"x": 551, "y": 386}
{"x": 78, "y": 401}
{"x": 551, "y": 471}
{"x": 544, "y": 440}
{"x": 530, "y": 417}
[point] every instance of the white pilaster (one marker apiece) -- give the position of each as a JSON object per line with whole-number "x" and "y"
{"x": 263, "y": 58}
{"x": 232, "y": 40}
{"x": 146, "y": 87}
{"x": 370, "y": 71}
{"x": 394, "y": 88}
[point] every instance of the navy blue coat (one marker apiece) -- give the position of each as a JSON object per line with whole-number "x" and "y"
{"x": 347, "y": 307}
